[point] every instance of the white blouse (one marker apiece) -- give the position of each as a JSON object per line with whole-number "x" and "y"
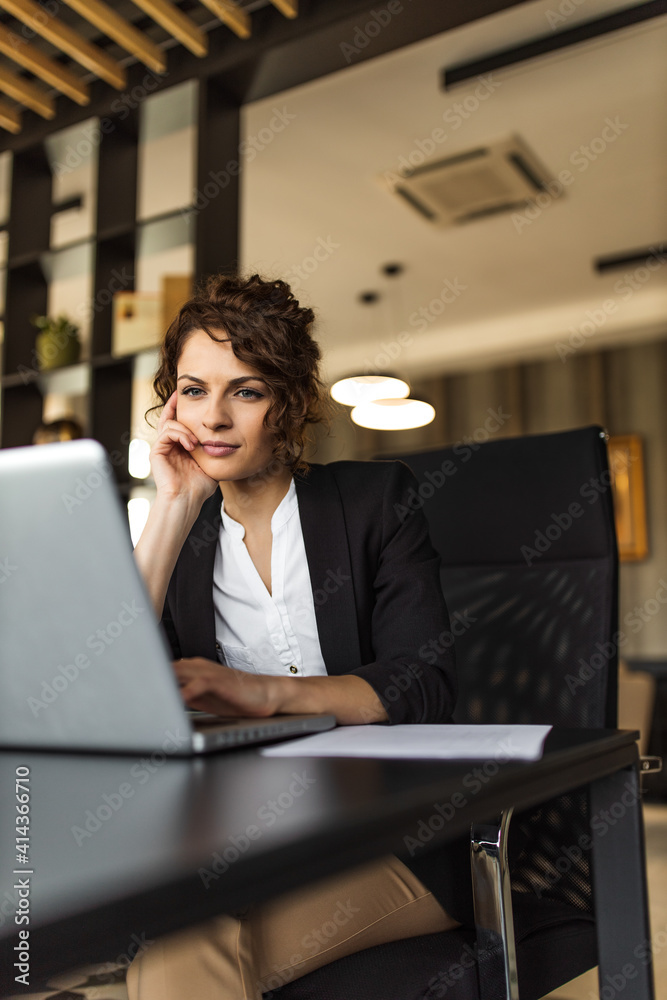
{"x": 256, "y": 631}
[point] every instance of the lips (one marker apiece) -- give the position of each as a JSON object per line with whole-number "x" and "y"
{"x": 218, "y": 449}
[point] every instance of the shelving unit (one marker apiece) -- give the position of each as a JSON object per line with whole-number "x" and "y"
{"x": 122, "y": 227}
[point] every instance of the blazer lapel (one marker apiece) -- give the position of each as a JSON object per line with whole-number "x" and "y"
{"x": 327, "y": 551}
{"x": 195, "y": 582}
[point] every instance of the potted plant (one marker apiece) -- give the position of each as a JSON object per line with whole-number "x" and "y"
{"x": 57, "y": 342}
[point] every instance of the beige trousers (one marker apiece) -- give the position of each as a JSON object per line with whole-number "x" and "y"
{"x": 239, "y": 958}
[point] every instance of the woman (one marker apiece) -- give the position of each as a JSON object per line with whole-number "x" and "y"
{"x": 283, "y": 588}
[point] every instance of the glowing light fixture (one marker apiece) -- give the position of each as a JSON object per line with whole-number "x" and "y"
{"x": 139, "y": 461}
{"x": 393, "y": 414}
{"x": 359, "y": 389}
{"x": 381, "y": 402}
{"x": 138, "y": 509}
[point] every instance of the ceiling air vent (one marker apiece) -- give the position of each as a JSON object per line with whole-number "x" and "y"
{"x": 483, "y": 181}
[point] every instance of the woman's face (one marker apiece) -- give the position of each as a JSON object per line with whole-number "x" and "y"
{"x": 223, "y": 402}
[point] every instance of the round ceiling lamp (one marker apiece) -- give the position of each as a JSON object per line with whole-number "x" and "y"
{"x": 357, "y": 389}
{"x": 393, "y": 414}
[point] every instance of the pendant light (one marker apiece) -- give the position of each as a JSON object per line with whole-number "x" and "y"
{"x": 357, "y": 389}
{"x": 393, "y": 414}
{"x": 381, "y": 401}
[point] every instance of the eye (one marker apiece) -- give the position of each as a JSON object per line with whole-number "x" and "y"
{"x": 189, "y": 389}
{"x": 253, "y": 394}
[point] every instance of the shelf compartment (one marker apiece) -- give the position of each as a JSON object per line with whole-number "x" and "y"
{"x": 117, "y": 175}
{"x": 167, "y": 135}
{"x": 72, "y": 154}
{"x": 21, "y": 414}
{"x": 114, "y": 272}
{"x": 110, "y": 405}
{"x": 31, "y": 205}
{"x": 27, "y": 296}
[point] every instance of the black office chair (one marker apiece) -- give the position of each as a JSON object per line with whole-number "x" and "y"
{"x": 525, "y": 528}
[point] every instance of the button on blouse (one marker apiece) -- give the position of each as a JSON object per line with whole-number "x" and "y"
{"x": 257, "y": 631}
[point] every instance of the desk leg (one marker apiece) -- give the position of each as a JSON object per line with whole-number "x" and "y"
{"x": 619, "y": 881}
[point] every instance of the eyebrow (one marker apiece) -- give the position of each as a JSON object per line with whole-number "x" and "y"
{"x": 232, "y": 382}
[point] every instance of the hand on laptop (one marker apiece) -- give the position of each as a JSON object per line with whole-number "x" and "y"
{"x": 214, "y": 687}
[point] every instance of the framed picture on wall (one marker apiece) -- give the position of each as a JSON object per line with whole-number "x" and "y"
{"x": 626, "y": 462}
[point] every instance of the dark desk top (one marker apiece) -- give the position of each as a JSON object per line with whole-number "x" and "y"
{"x": 122, "y": 845}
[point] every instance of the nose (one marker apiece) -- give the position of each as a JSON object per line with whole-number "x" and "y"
{"x": 217, "y": 414}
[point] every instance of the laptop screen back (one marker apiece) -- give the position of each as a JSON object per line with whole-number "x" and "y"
{"x": 83, "y": 661}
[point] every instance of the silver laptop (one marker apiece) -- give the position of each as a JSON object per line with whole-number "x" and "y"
{"x": 84, "y": 663}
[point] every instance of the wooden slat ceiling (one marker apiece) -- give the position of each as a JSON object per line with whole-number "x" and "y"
{"x": 59, "y": 47}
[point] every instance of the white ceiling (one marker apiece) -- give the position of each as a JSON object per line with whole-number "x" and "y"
{"x": 524, "y": 290}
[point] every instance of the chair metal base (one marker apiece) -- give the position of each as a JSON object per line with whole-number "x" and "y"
{"x": 493, "y": 908}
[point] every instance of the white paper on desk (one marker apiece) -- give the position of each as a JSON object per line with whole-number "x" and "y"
{"x": 436, "y": 742}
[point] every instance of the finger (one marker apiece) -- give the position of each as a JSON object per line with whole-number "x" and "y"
{"x": 187, "y": 672}
{"x": 180, "y": 428}
{"x": 169, "y": 408}
{"x": 191, "y": 663}
{"x": 195, "y": 687}
{"x": 173, "y": 432}
{"x": 215, "y": 706}
{"x": 196, "y": 695}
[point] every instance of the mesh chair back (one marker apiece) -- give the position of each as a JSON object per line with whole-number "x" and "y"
{"x": 526, "y": 533}
{"x": 532, "y": 599}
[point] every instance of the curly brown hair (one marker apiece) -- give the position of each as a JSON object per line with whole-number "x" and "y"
{"x": 271, "y": 332}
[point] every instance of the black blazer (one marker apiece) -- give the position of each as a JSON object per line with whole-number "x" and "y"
{"x": 375, "y": 579}
{"x": 378, "y": 604}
